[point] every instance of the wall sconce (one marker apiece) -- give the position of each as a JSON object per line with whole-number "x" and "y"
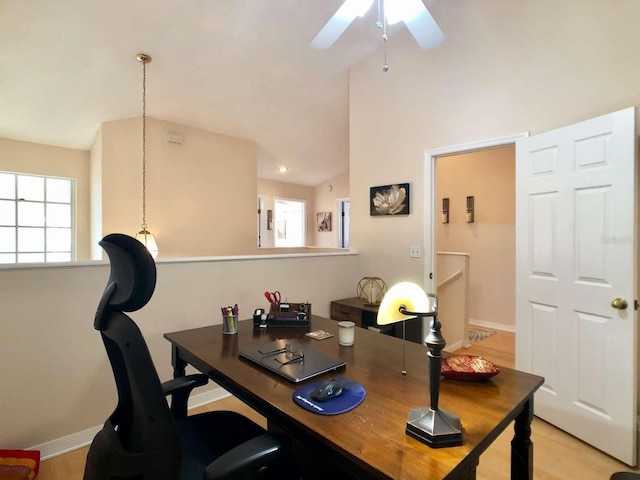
{"x": 470, "y": 209}
{"x": 445, "y": 210}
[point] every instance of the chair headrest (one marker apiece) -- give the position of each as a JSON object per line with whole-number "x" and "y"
{"x": 133, "y": 274}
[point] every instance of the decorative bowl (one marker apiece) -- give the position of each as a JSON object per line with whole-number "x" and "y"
{"x": 468, "y": 367}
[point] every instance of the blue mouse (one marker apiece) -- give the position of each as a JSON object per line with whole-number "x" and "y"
{"x": 326, "y": 391}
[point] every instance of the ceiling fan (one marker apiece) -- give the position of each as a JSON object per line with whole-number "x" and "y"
{"x": 412, "y": 12}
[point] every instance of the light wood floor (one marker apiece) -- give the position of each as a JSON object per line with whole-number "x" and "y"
{"x": 557, "y": 455}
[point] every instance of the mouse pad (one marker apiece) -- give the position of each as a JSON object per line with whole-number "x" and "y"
{"x": 352, "y": 395}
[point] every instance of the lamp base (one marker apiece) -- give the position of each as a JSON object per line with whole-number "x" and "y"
{"x": 436, "y": 428}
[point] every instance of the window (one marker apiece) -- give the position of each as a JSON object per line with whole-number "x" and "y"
{"x": 36, "y": 218}
{"x": 289, "y": 222}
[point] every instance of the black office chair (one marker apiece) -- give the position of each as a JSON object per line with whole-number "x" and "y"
{"x": 145, "y": 439}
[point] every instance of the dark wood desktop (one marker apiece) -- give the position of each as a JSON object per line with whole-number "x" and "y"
{"x": 370, "y": 440}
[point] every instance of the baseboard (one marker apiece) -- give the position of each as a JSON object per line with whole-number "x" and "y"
{"x": 454, "y": 346}
{"x": 493, "y": 326}
{"x": 60, "y": 446}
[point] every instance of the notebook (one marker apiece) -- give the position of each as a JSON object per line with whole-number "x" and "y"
{"x": 293, "y": 361}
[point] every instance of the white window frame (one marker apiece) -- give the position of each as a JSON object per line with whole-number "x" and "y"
{"x": 72, "y": 221}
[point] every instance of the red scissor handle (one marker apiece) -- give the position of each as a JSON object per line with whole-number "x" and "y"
{"x": 273, "y": 297}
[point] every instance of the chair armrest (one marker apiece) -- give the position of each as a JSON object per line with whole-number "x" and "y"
{"x": 180, "y": 388}
{"x": 181, "y": 383}
{"x": 252, "y": 454}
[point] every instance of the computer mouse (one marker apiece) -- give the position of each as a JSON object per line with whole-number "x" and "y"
{"x": 326, "y": 391}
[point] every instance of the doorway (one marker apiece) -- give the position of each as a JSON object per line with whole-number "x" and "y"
{"x": 432, "y": 209}
{"x": 344, "y": 220}
{"x": 477, "y": 189}
{"x": 289, "y": 222}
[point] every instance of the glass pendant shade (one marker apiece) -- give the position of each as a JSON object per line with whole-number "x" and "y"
{"x": 149, "y": 241}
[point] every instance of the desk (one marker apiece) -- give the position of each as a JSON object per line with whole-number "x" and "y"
{"x": 370, "y": 441}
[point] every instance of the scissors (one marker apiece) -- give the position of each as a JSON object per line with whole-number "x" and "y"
{"x": 273, "y": 297}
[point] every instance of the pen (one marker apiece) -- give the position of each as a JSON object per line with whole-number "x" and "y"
{"x": 230, "y": 315}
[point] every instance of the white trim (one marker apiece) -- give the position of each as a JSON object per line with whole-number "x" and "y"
{"x": 60, "y": 446}
{"x": 492, "y": 325}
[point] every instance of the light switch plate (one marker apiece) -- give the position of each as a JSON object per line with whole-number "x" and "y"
{"x": 415, "y": 251}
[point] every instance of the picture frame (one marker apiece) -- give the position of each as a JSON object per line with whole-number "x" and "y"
{"x": 269, "y": 219}
{"x": 324, "y": 221}
{"x": 386, "y": 200}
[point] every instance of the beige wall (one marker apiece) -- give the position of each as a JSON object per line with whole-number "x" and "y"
{"x": 96, "y": 196}
{"x": 318, "y": 199}
{"x": 489, "y": 176}
{"x": 201, "y": 194}
{"x": 271, "y": 189}
{"x": 56, "y": 379}
{"x": 37, "y": 159}
{"x": 531, "y": 65}
{"x": 326, "y": 200}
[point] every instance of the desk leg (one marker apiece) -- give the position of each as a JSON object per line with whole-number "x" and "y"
{"x": 179, "y": 365}
{"x": 521, "y": 445}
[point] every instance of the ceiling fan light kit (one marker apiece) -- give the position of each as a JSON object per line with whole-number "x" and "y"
{"x": 413, "y": 13}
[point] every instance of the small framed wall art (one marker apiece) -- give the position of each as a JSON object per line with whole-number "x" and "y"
{"x": 324, "y": 221}
{"x": 389, "y": 200}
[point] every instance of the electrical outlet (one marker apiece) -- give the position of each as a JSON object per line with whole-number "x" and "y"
{"x": 415, "y": 251}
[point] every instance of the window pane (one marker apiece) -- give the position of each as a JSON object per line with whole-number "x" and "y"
{"x": 7, "y": 258}
{"x": 7, "y": 212}
{"x": 30, "y": 257}
{"x": 58, "y": 215}
{"x": 58, "y": 257}
{"x": 30, "y": 240}
{"x": 58, "y": 240}
{"x": 36, "y": 218}
{"x": 7, "y": 239}
{"x": 31, "y": 188}
{"x": 30, "y": 214}
{"x": 58, "y": 190}
{"x": 7, "y": 185}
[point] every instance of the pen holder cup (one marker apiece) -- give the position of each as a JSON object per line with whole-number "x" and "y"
{"x": 229, "y": 324}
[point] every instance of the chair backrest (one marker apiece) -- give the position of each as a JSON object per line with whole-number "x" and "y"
{"x": 139, "y": 439}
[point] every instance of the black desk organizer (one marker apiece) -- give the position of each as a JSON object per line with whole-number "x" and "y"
{"x": 289, "y": 315}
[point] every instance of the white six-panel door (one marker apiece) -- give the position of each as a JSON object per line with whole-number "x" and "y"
{"x": 575, "y": 253}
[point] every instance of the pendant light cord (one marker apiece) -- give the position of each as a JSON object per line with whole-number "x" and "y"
{"x": 144, "y": 146}
{"x": 144, "y": 235}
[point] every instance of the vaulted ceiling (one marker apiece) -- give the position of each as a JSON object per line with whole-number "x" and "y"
{"x": 237, "y": 67}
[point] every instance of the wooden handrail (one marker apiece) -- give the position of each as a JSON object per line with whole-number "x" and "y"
{"x": 450, "y": 279}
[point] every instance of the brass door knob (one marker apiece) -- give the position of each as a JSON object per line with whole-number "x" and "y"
{"x": 619, "y": 303}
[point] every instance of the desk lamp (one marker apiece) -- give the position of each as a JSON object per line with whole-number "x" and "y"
{"x": 437, "y": 428}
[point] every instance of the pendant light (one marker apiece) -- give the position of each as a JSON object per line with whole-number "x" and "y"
{"x": 144, "y": 236}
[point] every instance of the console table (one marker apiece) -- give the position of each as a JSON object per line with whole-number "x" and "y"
{"x": 355, "y": 310}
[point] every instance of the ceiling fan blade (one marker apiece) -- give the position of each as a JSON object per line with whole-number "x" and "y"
{"x": 340, "y": 21}
{"x": 423, "y": 27}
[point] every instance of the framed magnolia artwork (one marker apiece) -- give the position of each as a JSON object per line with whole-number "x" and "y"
{"x": 389, "y": 200}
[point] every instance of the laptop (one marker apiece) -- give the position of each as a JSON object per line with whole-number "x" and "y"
{"x": 291, "y": 360}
